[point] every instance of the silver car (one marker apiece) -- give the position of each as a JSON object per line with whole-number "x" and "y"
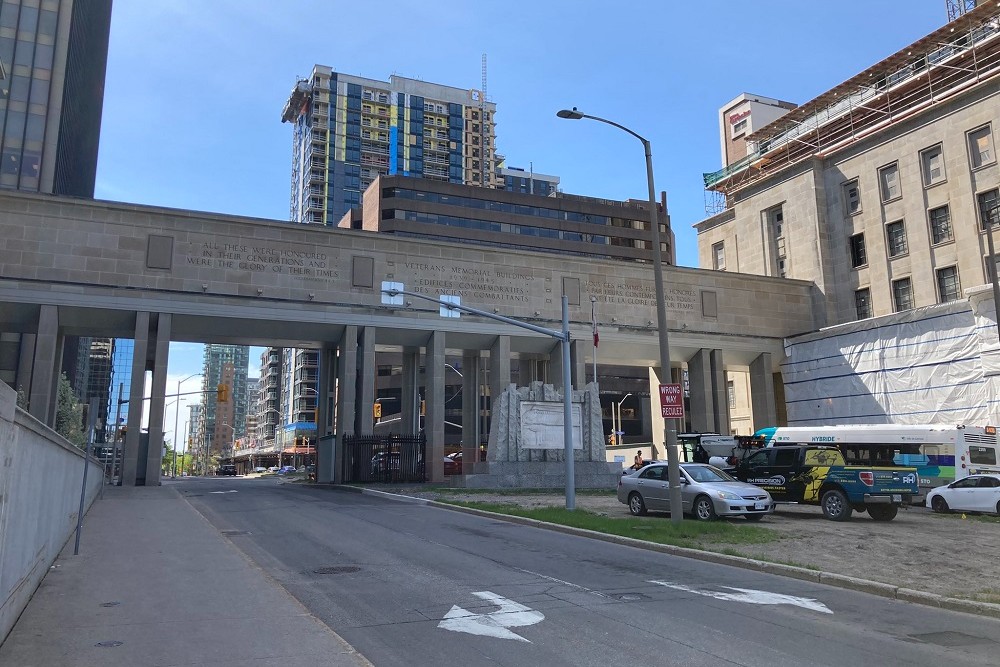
{"x": 706, "y": 492}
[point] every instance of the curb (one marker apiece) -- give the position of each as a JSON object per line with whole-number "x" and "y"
{"x": 816, "y": 576}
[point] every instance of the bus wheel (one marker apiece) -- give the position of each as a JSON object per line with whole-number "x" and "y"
{"x": 835, "y": 505}
{"x": 882, "y": 512}
{"x": 939, "y": 504}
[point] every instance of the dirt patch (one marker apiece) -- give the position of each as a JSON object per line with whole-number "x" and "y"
{"x": 952, "y": 555}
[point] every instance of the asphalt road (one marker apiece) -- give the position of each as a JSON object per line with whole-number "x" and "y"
{"x": 408, "y": 584}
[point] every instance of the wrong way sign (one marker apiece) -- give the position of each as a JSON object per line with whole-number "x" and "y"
{"x": 671, "y": 401}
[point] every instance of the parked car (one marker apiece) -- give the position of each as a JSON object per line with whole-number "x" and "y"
{"x": 260, "y": 469}
{"x": 975, "y": 493}
{"x": 227, "y": 469}
{"x": 284, "y": 470}
{"x": 453, "y": 464}
{"x": 706, "y": 492}
{"x": 273, "y": 469}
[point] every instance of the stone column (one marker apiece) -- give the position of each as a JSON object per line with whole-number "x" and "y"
{"x": 471, "y": 436}
{"x": 499, "y": 380}
{"x": 347, "y": 375}
{"x": 327, "y": 457}
{"x": 702, "y": 397}
{"x": 22, "y": 382}
{"x": 364, "y": 424}
{"x": 578, "y": 362}
{"x": 720, "y": 394}
{"x": 46, "y": 367}
{"x": 762, "y": 392}
{"x": 434, "y": 395}
{"x": 130, "y": 453}
{"x": 161, "y": 352}
{"x": 409, "y": 409}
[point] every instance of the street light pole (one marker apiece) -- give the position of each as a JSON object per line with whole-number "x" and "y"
{"x": 177, "y": 411}
{"x": 620, "y": 427}
{"x": 670, "y": 432}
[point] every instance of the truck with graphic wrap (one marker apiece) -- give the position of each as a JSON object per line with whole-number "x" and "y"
{"x": 817, "y": 475}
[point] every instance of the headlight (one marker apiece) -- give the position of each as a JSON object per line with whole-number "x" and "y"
{"x": 726, "y": 495}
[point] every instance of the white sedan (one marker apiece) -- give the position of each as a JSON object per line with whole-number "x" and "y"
{"x": 975, "y": 493}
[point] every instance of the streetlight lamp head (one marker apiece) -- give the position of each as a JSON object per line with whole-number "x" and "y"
{"x": 572, "y": 115}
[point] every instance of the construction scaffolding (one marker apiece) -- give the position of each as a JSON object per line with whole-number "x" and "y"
{"x": 963, "y": 53}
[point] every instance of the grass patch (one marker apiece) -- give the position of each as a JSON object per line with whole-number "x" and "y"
{"x": 733, "y": 552}
{"x": 991, "y": 595}
{"x": 660, "y": 530}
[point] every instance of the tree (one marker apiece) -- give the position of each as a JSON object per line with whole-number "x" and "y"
{"x": 69, "y": 414}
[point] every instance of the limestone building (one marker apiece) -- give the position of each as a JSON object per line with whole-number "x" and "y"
{"x": 878, "y": 190}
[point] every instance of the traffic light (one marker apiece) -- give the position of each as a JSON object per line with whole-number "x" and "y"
{"x": 377, "y": 411}
{"x": 611, "y": 438}
{"x": 223, "y": 393}
{"x": 423, "y": 408}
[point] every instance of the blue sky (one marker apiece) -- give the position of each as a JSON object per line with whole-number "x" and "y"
{"x": 195, "y": 88}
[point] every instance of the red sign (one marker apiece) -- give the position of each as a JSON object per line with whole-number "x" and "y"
{"x": 671, "y": 401}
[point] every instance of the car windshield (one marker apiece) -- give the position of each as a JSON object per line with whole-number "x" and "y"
{"x": 707, "y": 474}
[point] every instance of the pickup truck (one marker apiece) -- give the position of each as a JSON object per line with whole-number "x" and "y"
{"x": 816, "y": 475}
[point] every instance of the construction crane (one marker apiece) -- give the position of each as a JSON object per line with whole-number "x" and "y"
{"x": 958, "y": 7}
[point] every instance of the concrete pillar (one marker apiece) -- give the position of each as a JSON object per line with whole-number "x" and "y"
{"x": 434, "y": 395}
{"x": 347, "y": 375}
{"x": 43, "y": 397}
{"x": 499, "y": 373}
{"x": 130, "y": 460}
{"x": 762, "y": 392}
{"x": 160, "y": 349}
{"x": 578, "y": 361}
{"x": 471, "y": 435}
{"x": 22, "y": 381}
{"x": 720, "y": 394}
{"x": 702, "y": 397}
{"x": 327, "y": 455}
{"x": 364, "y": 424}
{"x": 530, "y": 368}
{"x": 410, "y": 387}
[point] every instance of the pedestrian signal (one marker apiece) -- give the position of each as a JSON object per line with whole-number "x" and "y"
{"x": 377, "y": 411}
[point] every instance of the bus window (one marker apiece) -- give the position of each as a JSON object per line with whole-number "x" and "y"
{"x": 983, "y": 456}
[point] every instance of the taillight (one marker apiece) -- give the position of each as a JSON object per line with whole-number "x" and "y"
{"x": 867, "y": 478}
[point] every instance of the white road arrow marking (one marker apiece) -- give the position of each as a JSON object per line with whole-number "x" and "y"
{"x": 751, "y": 596}
{"x": 494, "y": 624}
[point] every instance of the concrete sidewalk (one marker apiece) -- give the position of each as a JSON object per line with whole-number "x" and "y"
{"x": 156, "y": 584}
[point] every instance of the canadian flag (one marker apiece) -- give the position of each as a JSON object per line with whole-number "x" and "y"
{"x": 593, "y": 319}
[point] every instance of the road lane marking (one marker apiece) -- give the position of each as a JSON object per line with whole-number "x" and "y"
{"x": 494, "y": 624}
{"x": 229, "y": 491}
{"x": 560, "y": 581}
{"x": 751, "y": 596}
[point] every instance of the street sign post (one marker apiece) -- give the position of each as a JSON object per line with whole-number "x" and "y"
{"x": 671, "y": 401}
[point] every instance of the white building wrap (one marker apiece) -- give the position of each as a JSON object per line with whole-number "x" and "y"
{"x": 933, "y": 365}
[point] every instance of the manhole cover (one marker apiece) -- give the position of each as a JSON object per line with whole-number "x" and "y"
{"x": 110, "y": 604}
{"x": 110, "y": 644}
{"x": 951, "y": 638}
{"x": 337, "y": 569}
{"x": 631, "y": 597}
{"x": 235, "y": 532}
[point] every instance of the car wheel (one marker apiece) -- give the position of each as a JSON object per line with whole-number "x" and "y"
{"x": 636, "y": 505}
{"x": 939, "y": 504}
{"x": 882, "y": 512}
{"x": 703, "y": 508}
{"x": 998, "y": 508}
{"x": 835, "y": 505}
{"x": 754, "y": 517}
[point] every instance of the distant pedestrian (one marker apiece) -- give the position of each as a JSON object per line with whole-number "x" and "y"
{"x": 637, "y": 462}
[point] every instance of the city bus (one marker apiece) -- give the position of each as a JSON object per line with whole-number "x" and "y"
{"x": 941, "y": 453}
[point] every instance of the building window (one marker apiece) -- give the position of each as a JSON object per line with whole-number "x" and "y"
{"x": 996, "y": 265}
{"x": 863, "y": 303}
{"x": 859, "y": 257}
{"x": 719, "y": 256}
{"x": 888, "y": 178}
{"x": 981, "y": 147}
{"x": 895, "y": 234}
{"x": 940, "y": 224}
{"x": 852, "y": 197}
{"x": 731, "y": 394}
{"x": 932, "y": 165}
{"x": 948, "y": 286}
{"x": 740, "y": 127}
{"x": 902, "y": 294}
{"x": 989, "y": 208}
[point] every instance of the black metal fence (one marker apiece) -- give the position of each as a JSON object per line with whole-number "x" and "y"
{"x": 388, "y": 459}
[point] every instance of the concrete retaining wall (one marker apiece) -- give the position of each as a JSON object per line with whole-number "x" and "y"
{"x": 40, "y": 479}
